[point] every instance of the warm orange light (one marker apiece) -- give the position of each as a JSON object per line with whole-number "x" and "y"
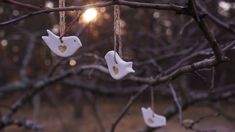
{"x": 90, "y": 15}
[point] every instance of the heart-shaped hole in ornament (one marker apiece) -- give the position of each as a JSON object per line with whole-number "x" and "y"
{"x": 115, "y": 70}
{"x": 62, "y": 48}
{"x": 150, "y": 120}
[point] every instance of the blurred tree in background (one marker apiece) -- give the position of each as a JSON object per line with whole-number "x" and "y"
{"x": 181, "y": 48}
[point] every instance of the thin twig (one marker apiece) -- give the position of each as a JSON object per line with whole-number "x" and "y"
{"x": 96, "y": 113}
{"x": 126, "y": 108}
{"x": 177, "y": 102}
{"x": 21, "y": 4}
{"x": 212, "y": 78}
{"x": 211, "y": 39}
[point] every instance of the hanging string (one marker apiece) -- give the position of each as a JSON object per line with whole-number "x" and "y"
{"x": 62, "y": 18}
{"x": 152, "y": 98}
{"x": 117, "y": 31}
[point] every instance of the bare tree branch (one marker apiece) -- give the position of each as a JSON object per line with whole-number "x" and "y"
{"x": 126, "y": 108}
{"x": 171, "y": 7}
{"x": 21, "y": 123}
{"x": 21, "y": 4}
{"x": 211, "y": 39}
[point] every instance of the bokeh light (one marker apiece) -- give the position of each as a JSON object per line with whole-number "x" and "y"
{"x": 49, "y": 4}
{"x": 224, "y": 5}
{"x": 15, "y": 13}
{"x": 224, "y": 8}
{"x": 4, "y": 42}
{"x": 1, "y": 10}
{"x": 89, "y": 15}
{"x": 55, "y": 28}
{"x": 72, "y": 62}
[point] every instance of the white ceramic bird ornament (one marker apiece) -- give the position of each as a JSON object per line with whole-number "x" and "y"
{"x": 117, "y": 67}
{"x": 151, "y": 119}
{"x": 65, "y": 46}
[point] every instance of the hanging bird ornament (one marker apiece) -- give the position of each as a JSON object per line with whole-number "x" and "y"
{"x": 151, "y": 119}
{"x": 64, "y": 46}
{"x": 60, "y": 45}
{"x": 117, "y": 67}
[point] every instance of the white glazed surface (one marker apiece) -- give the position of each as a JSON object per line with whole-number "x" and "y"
{"x": 72, "y": 44}
{"x": 157, "y": 120}
{"x": 123, "y": 67}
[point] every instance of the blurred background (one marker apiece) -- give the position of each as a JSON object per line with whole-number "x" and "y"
{"x": 157, "y": 41}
